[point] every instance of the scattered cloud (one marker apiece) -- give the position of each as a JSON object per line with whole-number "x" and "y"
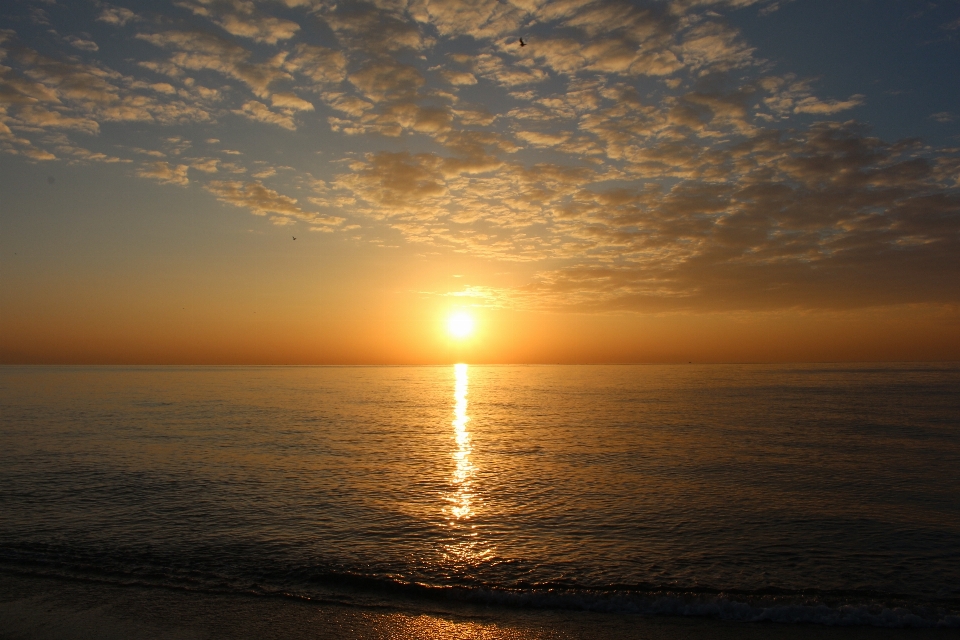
{"x": 195, "y": 51}
{"x": 290, "y": 101}
{"x": 951, "y": 26}
{"x": 117, "y": 16}
{"x": 259, "y": 112}
{"x": 38, "y": 154}
{"x": 39, "y": 17}
{"x": 640, "y": 154}
{"x": 264, "y": 201}
{"x": 387, "y": 80}
{"x": 49, "y": 93}
{"x": 542, "y": 139}
{"x": 82, "y": 43}
{"x": 207, "y": 165}
{"x": 814, "y": 105}
{"x": 320, "y": 64}
{"x": 791, "y": 95}
{"x": 374, "y": 28}
{"x": 79, "y": 154}
{"x": 459, "y": 78}
{"x": 254, "y": 196}
{"x": 165, "y": 173}
{"x": 240, "y": 18}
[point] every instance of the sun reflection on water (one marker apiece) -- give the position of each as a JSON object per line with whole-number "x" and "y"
{"x": 464, "y": 546}
{"x": 462, "y": 498}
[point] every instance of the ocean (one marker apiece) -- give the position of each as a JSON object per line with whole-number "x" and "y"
{"x": 792, "y": 494}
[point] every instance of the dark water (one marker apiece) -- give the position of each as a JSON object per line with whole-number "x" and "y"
{"x": 825, "y": 494}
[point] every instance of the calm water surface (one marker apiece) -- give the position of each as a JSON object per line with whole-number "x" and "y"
{"x": 794, "y": 493}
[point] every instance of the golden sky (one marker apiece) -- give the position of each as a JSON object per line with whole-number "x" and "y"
{"x": 647, "y": 181}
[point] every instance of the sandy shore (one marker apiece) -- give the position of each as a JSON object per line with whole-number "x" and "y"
{"x": 47, "y": 608}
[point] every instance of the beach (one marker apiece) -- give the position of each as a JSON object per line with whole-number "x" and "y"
{"x": 34, "y": 608}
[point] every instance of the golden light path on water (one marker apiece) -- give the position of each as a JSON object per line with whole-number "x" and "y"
{"x": 463, "y": 474}
{"x": 464, "y": 545}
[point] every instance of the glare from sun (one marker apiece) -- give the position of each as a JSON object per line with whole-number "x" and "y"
{"x": 460, "y": 325}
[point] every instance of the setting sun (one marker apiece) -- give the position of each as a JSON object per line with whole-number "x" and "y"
{"x": 460, "y": 324}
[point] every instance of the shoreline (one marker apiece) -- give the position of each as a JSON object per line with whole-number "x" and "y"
{"x": 42, "y": 608}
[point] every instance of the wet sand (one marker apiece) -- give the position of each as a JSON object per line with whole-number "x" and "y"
{"x": 39, "y": 608}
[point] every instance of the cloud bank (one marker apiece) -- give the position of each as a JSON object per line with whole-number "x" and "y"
{"x": 640, "y": 155}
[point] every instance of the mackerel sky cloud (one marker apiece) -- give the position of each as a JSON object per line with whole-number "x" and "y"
{"x": 645, "y": 156}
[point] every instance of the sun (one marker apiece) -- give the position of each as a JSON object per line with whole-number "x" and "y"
{"x": 460, "y": 324}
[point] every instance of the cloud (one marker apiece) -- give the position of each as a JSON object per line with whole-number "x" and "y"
{"x": 320, "y": 64}
{"x": 397, "y": 182}
{"x": 609, "y": 37}
{"x": 163, "y": 87}
{"x": 374, "y": 29}
{"x": 350, "y": 105}
{"x": 829, "y": 218}
{"x": 17, "y": 90}
{"x": 471, "y": 116}
{"x": 387, "y": 79}
{"x": 951, "y": 26}
{"x": 80, "y": 43}
{"x": 149, "y": 152}
{"x": 199, "y": 51}
{"x": 496, "y": 69}
{"x": 394, "y": 118}
{"x": 85, "y": 84}
{"x": 263, "y": 201}
{"x": 268, "y": 30}
{"x": 38, "y": 16}
{"x": 639, "y": 152}
{"x": 632, "y": 39}
{"x": 259, "y": 112}
{"x": 117, "y": 16}
{"x": 715, "y": 47}
{"x": 820, "y": 107}
{"x": 80, "y": 154}
{"x": 480, "y": 19}
{"x": 207, "y": 165}
{"x": 70, "y": 95}
{"x": 820, "y": 217}
{"x": 254, "y": 196}
{"x": 31, "y": 116}
{"x": 772, "y": 7}
{"x": 542, "y": 139}
{"x": 240, "y": 18}
{"x": 458, "y": 78}
{"x": 290, "y": 101}
{"x": 39, "y": 154}
{"x": 165, "y": 173}
{"x": 789, "y": 95}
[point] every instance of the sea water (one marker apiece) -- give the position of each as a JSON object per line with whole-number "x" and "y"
{"x": 792, "y": 493}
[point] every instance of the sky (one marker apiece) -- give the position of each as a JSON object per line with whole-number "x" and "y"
{"x": 315, "y": 182}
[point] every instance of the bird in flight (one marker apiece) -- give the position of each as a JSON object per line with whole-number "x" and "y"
{"x": 522, "y": 43}
{"x": 294, "y": 237}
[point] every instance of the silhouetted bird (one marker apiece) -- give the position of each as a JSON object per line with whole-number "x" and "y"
{"x": 522, "y": 43}
{"x": 294, "y": 237}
